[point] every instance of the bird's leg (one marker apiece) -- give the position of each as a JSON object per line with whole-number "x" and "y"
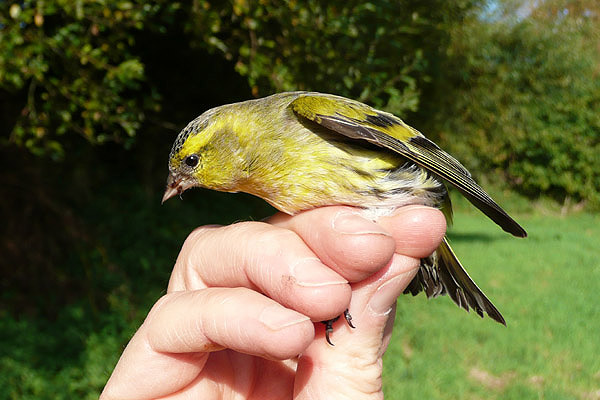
{"x": 329, "y": 325}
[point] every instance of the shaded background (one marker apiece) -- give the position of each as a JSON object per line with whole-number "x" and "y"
{"x": 92, "y": 95}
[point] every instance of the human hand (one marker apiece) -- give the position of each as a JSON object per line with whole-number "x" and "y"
{"x": 242, "y": 298}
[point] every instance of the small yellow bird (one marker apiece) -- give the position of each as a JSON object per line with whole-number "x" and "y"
{"x": 301, "y": 150}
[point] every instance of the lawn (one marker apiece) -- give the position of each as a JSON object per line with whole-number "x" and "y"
{"x": 547, "y": 287}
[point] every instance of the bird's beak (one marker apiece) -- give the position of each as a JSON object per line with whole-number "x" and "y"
{"x": 174, "y": 187}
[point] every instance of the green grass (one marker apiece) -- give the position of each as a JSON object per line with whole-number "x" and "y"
{"x": 547, "y": 286}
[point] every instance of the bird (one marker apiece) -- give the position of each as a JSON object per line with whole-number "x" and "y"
{"x": 301, "y": 150}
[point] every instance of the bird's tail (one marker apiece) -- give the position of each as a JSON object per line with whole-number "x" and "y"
{"x": 441, "y": 273}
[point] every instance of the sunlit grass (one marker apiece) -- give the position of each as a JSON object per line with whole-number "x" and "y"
{"x": 547, "y": 287}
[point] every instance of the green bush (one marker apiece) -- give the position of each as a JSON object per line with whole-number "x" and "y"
{"x": 524, "y": 103}
{"x": 70, "y": 67}
{"x": 378, "y": 51}
{"x": 81, "y": 67}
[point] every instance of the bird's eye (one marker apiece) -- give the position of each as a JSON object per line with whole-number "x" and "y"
{"x": 191, "y": 161}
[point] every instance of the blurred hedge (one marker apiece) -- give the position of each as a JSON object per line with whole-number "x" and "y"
{"x": 520, "y": 99}
{"x": 77, "y": 67}
{"x": 510, "y": 87}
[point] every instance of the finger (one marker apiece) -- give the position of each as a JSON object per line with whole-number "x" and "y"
{"x": 234, "y": 318}
{"x": 262, "y": 257}
{"x": 323, "y": 369}
{"x": 352, "y": 368}
{"x": 342, "y": 238}
{"x": 171, "y": 347}
{"x": 418, "y": 231}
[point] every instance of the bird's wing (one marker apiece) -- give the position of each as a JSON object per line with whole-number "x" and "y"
{"x": 359, "y": 121}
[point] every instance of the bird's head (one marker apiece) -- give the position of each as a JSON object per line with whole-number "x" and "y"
{"x": 204, "y": 154}
{"x": 185, "y": 159}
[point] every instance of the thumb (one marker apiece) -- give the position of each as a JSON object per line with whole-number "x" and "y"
{"x": 352, "y": 368}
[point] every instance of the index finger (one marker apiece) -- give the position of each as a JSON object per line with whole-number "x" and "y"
{"x": 355, "y": 246}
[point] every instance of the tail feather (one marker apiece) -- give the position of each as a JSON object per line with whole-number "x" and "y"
{"x": 442, "y": 273}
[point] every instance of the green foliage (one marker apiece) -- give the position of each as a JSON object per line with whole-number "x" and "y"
{"x": 524, "y": 102}
{"x": 73, "y": 64}
{"x": 78, "y": 67}
{"x": 511, "y": 89}
{"x": 373, "y": 51}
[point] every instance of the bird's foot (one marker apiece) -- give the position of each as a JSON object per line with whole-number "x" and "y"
{"x": 329, "y": 325}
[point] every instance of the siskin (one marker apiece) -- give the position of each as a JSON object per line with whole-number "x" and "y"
{"x": 301, "y": 150}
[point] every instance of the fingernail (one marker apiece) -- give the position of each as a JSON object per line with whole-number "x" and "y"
{"x": 311, "y": 272}
{"x": 350, "y": 223}
{"x": 276, "y": 317}
{"x": 385, "y": 296}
